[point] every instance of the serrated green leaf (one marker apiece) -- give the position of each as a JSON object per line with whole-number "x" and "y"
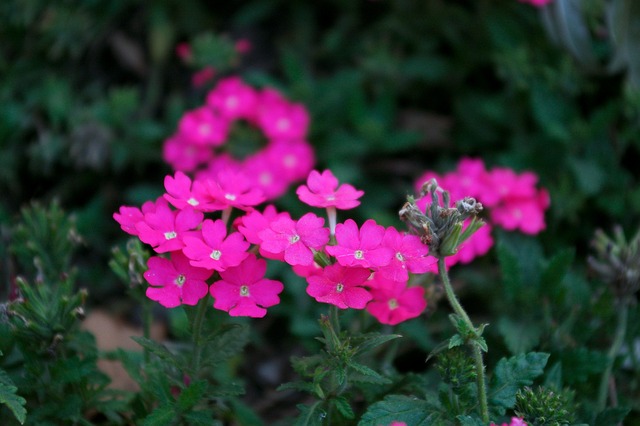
{"x": 373, "y": 340}
{"x": 412, "y": 411}
{"x": 162, "y": 415}
{"x": 611, "y": 416}
{"x": 470, "y": 421}
{"x": 455, "y": 340}
{"x": 311, "y": 416}
{"x": 225, "y": 344}
{"x": 513, "y": 373}
{"x": 298, "y": 386}
{"x": 519, "y": 336}
{"x": 191, "y": 395}
{"x": 368, "y": 375}
{"x": 343, "y": 406}
{"x": 201, "y": 417}
{"x": 157, "y": 349}
{"x": 14, "y": 402}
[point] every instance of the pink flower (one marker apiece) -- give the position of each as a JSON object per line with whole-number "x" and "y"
{"x": 127, "y": 217}
{"x": 410, "y": 255}
{"x": 280, "y": 119}
{"x": 292, "y": 159}
{"x": 340, "y": 286}
{"x": 174, "y": 282}
{"x": 203, "y": 126}
{"x": 233, "y": 99}
{"x": 184, "y": 155}
{"x": 397, "y": 423}
{"x": 213, "y": 250}
{"x": 393, "y": 302}
{"x": 515, "y": 421}
{"x": 181, "y": 192}
{"x": 526, "y": 214}
{"x": 163, "y": 229}
{"x": 265, "y": 175}
{"x": 322, "y": 191}
{"x": 243, "y": 291}
{"x": 297, "y": 240}
{"x": 202, "y": 77}
{"x": 360, "y": 247}
{"x": 233, "y": 189}
{"x": 254, "y": 222}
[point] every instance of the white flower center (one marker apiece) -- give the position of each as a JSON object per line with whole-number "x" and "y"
{"x": 340, "y": 287}
{"x": 230, "y": 197}
{"x": 170, "y": 235}
{"x": 283, "y": 124}
{"x": 244, "y": 291}
{"x": 294, "y": 239}
{"x": 215, "y": 255}
{"x": 399, "y": 256}
{"x": 393, "y": 304}
{"x": 204, "y": 129}
{"x": 192, "y": 201}
{"x": 358, "y": 254}
{"x": 180, "y": 280}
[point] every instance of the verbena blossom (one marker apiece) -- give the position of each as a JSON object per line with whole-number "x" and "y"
{"x": 203, "y": 126}
{"x": 163, "y": 229}
{"x": 243, "y": 290}
{"x": 182, "y": 192}
{"x": 214, "y": 249}
{"x": 175, "y": 281}
{"x": 322, "y": 190}
{"x": 232, "y": 189}
{"x": 296, "y": 239}
{"x": 360, "y": 247}
{"x": 341, "y": 286}
{"x": 184, "y": 155}
{"x": 393, "y": 302}
{"x": 409, "y": 255}
{"x": 233, "y": 99}
{"x": 252, "y": 223}
{"x": 280, "y": 119}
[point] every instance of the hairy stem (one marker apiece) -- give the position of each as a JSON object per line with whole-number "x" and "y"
{"x": 196, "y": 330}
{"x": 618, "y": 340}
{"x": 475, "y": 347}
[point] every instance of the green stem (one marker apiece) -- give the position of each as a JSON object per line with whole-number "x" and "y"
{"x": 334, "y": 318}
{"x": 196, "y": 333}
{"x": 477, "y": 351}
{"x": 618, "y": 339}
{"x": 147, "y": 319}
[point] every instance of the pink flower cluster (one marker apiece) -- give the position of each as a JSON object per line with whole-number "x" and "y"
{"x": 204, "y": 134}
{"x": 365, "y": 266}
{"x": 513, "y": 201}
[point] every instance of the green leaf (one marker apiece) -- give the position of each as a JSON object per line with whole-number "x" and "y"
{"x": 611, "y": 416}
{"x": 470, "y": 421}
{"x": 511, "y": 272}
{"x": 201, "y": 417}
{"x": 455, "y": 340}
{"x": 519, "y": 336}
{"x": 371, "y": 341}
{"x": 412, "y": 411}
{"x": 311, "y": 416}
{"x": 14, "y": 402}
{"x": 555, "y": 272}
{"x": 157, "y": 349}
{"x": 343, "y": 406}
{"x": 244, "y": 415}
{"x": 579, "y": 364}
{"x": 191, "y": 395}
{"x": 513, "y": 373}
{"x": 163, "y": 415}
{"x": 367, "y": 375}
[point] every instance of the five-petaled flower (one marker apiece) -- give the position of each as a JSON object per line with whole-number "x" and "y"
{"x": 341, "y": 286}
{"x": 213, "y": 250}
{"x": 360, "y": 247}
{"x": 243, "y": 290}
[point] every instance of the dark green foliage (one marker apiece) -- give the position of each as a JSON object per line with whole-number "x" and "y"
{"x": 541, "y": 407}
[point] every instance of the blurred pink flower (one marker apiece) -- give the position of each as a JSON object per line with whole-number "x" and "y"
{"x": 341, "y": 286}
{"x": 203, "y": 126}
{"x": 243, "y": 290}
{"x": 203, "y": 76}
{"x": 233, "y": 99}
{"x": 174, "y": 281}
{"x": 184, "y": 155}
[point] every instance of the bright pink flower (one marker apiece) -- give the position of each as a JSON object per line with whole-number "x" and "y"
{"x": 243, "y": 291}
{"x": 280, "y": 119}
{"x": 253, "y": 222}
{"x": 397, "y": 423}
{"x": 341, "y": 286}
{"x": 216, "y": 250}
{"x": 305, "y": 271}
{"x": 322, "y": 190}
{"x": 174, "y": 282}
{"x": 202, "y": 77}
{"x": 504, "y": 182}
{"x": 233, "y": 99}
{"x": 203, "y": 126}
{"x": 232, "y": 189}
{"x": 393, "y": 302}
{"x": 182, "y": 192}
{"x": 184, "y": 155}
{"x": 360, "y": 247}
{"x": 163, "y": 229}
{"x": 296, "y": 239}
{"x": 410, "y": 255}
{"x": 515, "y": 421}
{"x": 127, "y": 217}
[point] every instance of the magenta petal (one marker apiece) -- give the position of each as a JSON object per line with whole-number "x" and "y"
{"x": 298, "y": 254}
